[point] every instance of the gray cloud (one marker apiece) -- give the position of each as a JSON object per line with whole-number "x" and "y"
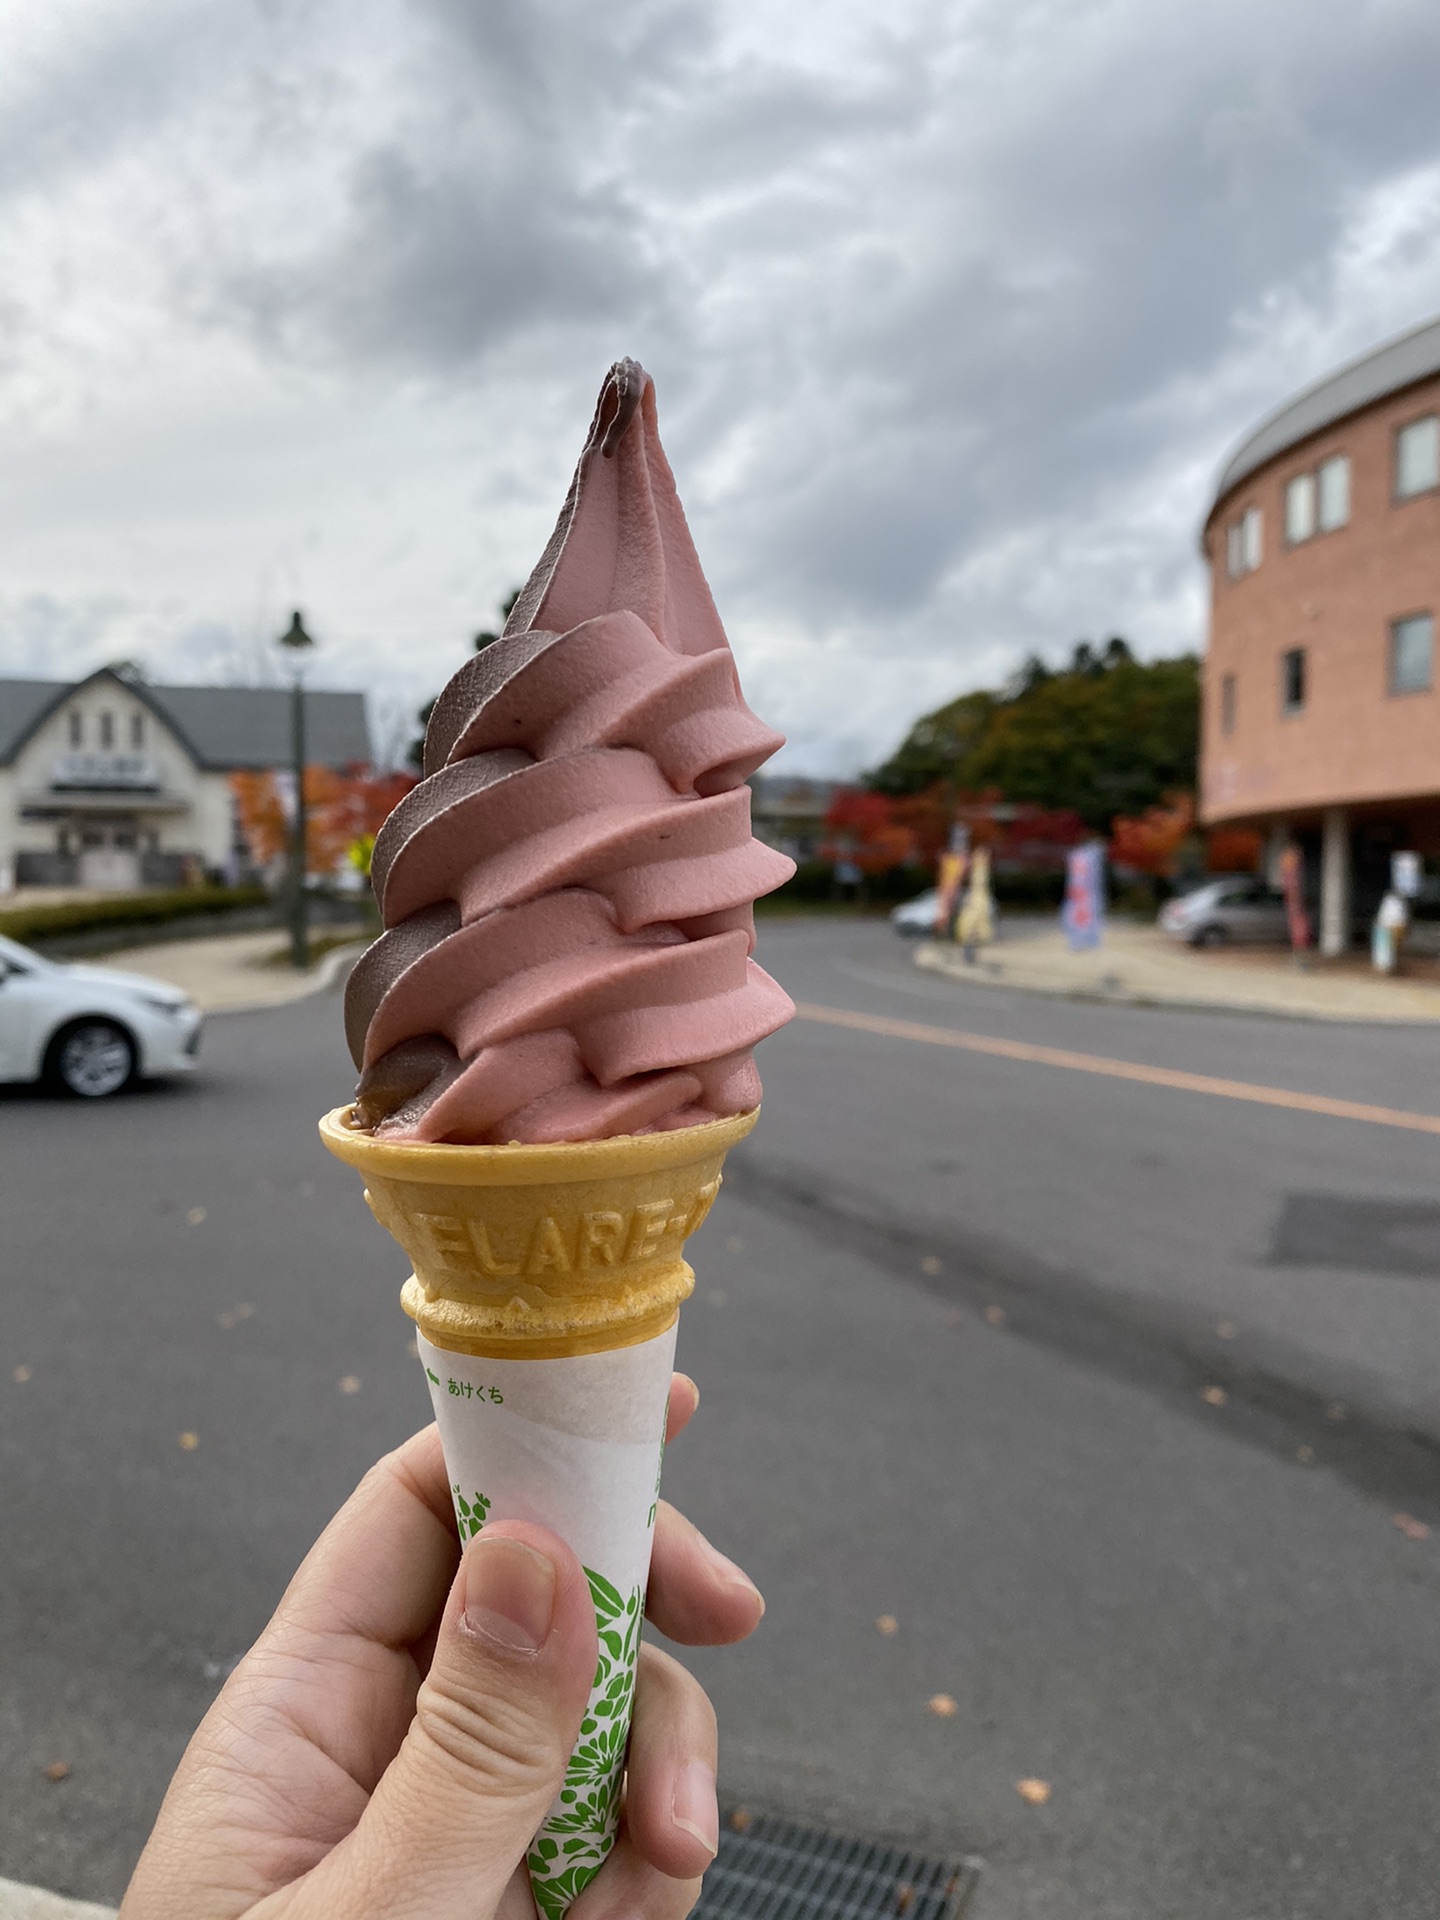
{"x": 953, "y": 314}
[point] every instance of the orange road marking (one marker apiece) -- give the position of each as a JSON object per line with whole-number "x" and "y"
{"x": 1122, "y": 1069}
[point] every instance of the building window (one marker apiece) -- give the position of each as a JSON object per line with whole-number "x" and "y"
{"x": 1242, "y": 543}
{"x": 1292, "y": 680}
{"x": 1318, "y": 502}
{"x": 77, "y": 727}
{"x": 1227, "y": 704}
{"x": 1333, "y": 478}
{"x": 1417, "y": 457}
{"x": 1300, "y": 508}
{"x": 1412, "y": 644}
{"x": 107, "y": 729}
{"x": 137, "y": 729}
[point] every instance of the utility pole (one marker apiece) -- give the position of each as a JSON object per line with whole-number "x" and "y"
{"x": 297, "y": 640}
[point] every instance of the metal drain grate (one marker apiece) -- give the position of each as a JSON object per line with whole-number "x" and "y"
{"x": 774, "y": 1871}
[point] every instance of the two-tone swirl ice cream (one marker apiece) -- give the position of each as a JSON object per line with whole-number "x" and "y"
{"x": 554, "y": 1033}
{"x": 567, "y": 895}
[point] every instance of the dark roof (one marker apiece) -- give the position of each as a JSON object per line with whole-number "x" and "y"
{"x": 224, "y": 727}
{"x": 1385, "y": 370}
{"x": 250, "y": 726}
{"x": 23, "y": 705}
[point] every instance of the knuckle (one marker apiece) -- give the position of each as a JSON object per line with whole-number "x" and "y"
{"x": 504, "y": 1749}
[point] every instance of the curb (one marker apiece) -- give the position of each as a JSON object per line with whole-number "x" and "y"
{"x": 933, "y": 959}
{"x": 18, "y": 1902}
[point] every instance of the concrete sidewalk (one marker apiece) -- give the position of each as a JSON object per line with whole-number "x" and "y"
{"x": 230, "y": 973}
{"x": 33, "y": 1903}
{"x": 1142, "y": 966}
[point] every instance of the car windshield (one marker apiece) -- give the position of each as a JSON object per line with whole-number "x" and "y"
{"x": 12, "y": 954}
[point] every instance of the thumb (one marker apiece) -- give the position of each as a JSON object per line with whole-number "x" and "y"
{"x": 495, "y": 1720}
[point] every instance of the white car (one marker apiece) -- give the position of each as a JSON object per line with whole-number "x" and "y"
{"x": 916, "y": 918}
{"x": 88, "y": 1030}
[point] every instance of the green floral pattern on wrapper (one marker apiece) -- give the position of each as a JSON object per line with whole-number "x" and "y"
{"x": 469, "y": 1514}
{"x": 571, "y": 1846}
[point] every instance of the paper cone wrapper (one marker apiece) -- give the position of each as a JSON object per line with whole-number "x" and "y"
{"x": 547, "y": 1285}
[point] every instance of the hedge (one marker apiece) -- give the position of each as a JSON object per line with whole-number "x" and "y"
{"x": 125, "y": 910}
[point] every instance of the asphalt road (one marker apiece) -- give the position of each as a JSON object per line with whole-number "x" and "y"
{"x": 1042, "y": 1364}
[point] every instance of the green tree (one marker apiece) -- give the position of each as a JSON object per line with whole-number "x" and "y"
{"x": 1106, "y": 735}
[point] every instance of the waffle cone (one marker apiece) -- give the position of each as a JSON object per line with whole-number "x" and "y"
{"x": 538, "y": 1252}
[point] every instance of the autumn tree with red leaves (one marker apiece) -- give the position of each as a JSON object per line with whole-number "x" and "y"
{"x": 862, "y": 827}
{"x": 341, "y": 809}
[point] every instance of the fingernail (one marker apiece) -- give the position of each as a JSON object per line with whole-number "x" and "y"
{"x": 509, "y": 1593}
{"x": 734, "y": 1576}
{"x": 694, "y": 1807}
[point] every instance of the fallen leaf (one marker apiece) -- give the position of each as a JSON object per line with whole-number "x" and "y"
{"x": 1412, "y": 1528}
{"x": 57, "y": 1771}
{"x": 954, "y": 1318}
{"x": 734, "y": 1244}
{"x": 740, "y": 1820}
{"x": 1215, "y": 1396}
{"x": 887, "y": 1624}
{"x": 1305, "y": 1455}
{"x": 1033, "y": 1792}
{"x": 189, "y": 1442}
{"x": 995, "y": 1316}
{"x": 904, "y": 1898}
{"x": 1226, "y": 1329}
{"x": 1336, "y": 1410}
{"x": 20, "y": 1376}
{"x": 195, "y": 1216}
{"x": 929, "y": 1265}
{"x": 715, "y": 1296}
{"x": 234, "y": 1315}
{"x": 942, "y": 1706}
{"x": 350, "y": 1384}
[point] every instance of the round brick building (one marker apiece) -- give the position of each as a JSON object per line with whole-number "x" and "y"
{"x": 1321, "y": 717}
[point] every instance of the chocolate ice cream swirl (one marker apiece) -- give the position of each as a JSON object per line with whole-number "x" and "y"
{"x": 568, "y": 893}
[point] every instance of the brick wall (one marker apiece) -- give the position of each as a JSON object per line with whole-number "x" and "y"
{"x": 1335, "y": 595}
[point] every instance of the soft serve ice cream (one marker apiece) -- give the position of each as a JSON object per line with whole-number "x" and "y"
{"x": 568, "y": 893}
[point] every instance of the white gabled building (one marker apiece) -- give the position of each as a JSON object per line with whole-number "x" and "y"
{"x": 111, "y": 782}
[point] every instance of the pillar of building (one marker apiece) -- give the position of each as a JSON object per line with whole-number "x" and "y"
{"x": 1335, "y": 882}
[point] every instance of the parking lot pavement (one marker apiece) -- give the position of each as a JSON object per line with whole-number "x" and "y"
{"x": 946, "y": 1387}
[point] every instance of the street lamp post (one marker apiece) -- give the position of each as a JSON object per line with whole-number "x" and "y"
{"x": 297, "y": 640}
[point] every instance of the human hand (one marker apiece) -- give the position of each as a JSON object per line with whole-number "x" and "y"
{"x": 395, "y": 1737}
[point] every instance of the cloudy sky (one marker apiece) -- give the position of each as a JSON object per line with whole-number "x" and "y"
{"x": 953, "y": 306}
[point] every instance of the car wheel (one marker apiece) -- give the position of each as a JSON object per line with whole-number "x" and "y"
{"x": 1211, "y": 937}
{"x": 91, "y": 1059}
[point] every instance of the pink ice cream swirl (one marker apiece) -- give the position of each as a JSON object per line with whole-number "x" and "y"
{"x": 568, "y": 893}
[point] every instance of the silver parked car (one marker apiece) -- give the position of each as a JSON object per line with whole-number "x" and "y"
{"x": 1231, "y": 907}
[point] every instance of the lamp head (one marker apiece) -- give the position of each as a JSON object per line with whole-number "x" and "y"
{"x": 295, "y": 636}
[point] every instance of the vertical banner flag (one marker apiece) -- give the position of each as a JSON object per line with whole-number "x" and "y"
{"x": 1292, "y": 885}
{"x": 950, "y": 877}
{"x": 976, "y": 923}
{"x": 1082, "y": 916}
